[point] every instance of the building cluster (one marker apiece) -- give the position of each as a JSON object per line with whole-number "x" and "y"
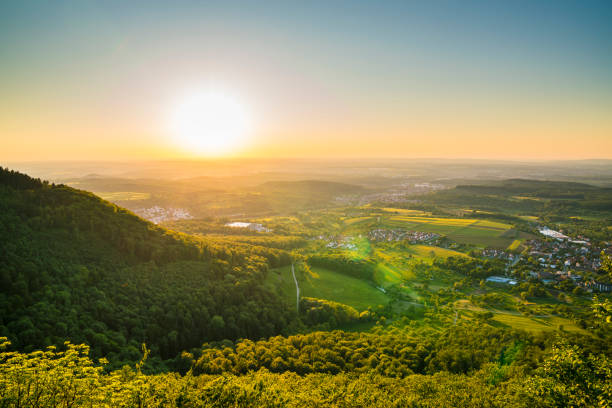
{"x": 249, "y": 225}
{"x": 502, "y": 280}
{"x": 557, "y": 260}
{"x": 342, "y": 242}
{"x": 401, "y": 193}
{"x": 565, "y": 254}
{"x": 498, "y": 254}
{"x": 157, "y": 214}
{"x": 566, "y": 258}
{"x": 401, "y": 235}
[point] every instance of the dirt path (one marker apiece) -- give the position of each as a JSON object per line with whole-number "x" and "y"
{"x": 297, "y": 289}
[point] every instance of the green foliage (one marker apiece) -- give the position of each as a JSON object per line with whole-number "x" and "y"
{"x": 569, "y": 379}
{"x": 318, "y": 311}
{"x": 69, "y": 378}
{"x": 392, "y": 353}
{"x": 75, "y": 267}
{"x": 471, "y": 267}
{"x": 358, "y": 268}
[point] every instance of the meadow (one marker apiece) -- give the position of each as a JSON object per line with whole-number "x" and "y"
{"x": 124, "y": 196}
{"x": 397, "y": 264}
{"x": 515, "y": 320}
{"x": 327, "y": 284}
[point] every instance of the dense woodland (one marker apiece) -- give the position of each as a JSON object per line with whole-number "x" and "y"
{"x": 565, "y": 377}
{"x": 74, "y": 267}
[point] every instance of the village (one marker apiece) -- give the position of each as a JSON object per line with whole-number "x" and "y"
{"x": 553, "y": 260}
{"x": 413, "y": 237}
{"x": 248, "y": 225}
{"x": 157, "y": 214}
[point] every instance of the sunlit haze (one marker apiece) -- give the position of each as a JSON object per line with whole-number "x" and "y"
{"x": 476, "y": 79}
{"x": 209, "y": 122}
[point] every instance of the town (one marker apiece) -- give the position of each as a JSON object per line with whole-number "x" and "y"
{"x": 555, "y": 259}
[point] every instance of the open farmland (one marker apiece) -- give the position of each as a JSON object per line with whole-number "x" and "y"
{"x": 462, "y": 230}
{"x": 124, "y": 196}
{"x": 327, "y": 284}
{"x": 394, "y": 266}
{"x": 485, "y": 233}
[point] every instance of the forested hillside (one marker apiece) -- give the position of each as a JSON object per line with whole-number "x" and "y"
{"x": 75, "y": 267}
{"x": 528, "y": 196}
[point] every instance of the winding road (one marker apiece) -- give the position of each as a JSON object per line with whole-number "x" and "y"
{"x": 297, "y": 289}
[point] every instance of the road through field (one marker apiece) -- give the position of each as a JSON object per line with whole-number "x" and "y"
{"x": 297, "y": 289}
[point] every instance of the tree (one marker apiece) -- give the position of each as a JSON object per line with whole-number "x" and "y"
{"x": 606, "y": 264}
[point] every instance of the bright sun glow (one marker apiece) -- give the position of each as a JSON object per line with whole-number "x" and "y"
{"x": 210, "y": 122}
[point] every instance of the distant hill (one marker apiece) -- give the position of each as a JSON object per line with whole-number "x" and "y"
{"x": 524, "y": 186}
{"x": 76, "y": 267}
{"x": 290, "y": 196}
{"x": 536, "y": 197}
{"x": 312, "y": 187}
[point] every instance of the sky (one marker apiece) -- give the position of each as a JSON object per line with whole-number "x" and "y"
{"x": 100, "y": 80}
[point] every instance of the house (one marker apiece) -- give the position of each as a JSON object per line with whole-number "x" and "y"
{"x": 501, "y": 279}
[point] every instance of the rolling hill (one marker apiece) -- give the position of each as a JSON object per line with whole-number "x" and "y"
{"x": 75, "y": 267}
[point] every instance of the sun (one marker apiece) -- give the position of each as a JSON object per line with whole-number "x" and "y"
{"x": 210, "y": 122}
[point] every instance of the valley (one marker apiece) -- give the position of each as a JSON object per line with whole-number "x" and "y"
{"x": 200, "y": 292}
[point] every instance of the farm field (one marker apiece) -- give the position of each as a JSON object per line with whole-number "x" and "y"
{"x": 124, "y": 196}
{"x": 404, "y": 211}
{"x": 394, "y": 265}
{"x": 326, "y": 284}
{"x": 462, "y": 230}
{"x": 514, "y": 245}
{"x": 534, "y": 324}
{"x": 426, "y": 252}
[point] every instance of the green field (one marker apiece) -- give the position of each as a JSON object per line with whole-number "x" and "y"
{"x": 329, "y": 285}
{"x": 403, "y": 211}
{"x": 123, "y": 196}
{"x": 514, "y": 245}
{"x": 532, "y": 324}
{"x": 536, "y": 324}
{"x": 461, "y": 230}
{"x": 394, "y": 265}
{"x": 431, "y": 252}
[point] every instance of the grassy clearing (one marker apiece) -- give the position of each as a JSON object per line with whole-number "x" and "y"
{"x": 329, "y": 285}
{"x": 389, "y": 273}
{"x": 395, "y": 266}
{"x": 431, "y": 252}
{"x": 124, "y": 196}
{"x": 514, "y": 245}
{"x": 537, "y": 324}
{"x": 518, "y": 321}
{"x": 404, "y": 211}
{"x": 527, "y": 198}
{"x": 351, "y": 221}
{"x": 492, "y": 225}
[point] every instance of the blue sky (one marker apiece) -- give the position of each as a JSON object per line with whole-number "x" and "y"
{"x": 350, "y": 72}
